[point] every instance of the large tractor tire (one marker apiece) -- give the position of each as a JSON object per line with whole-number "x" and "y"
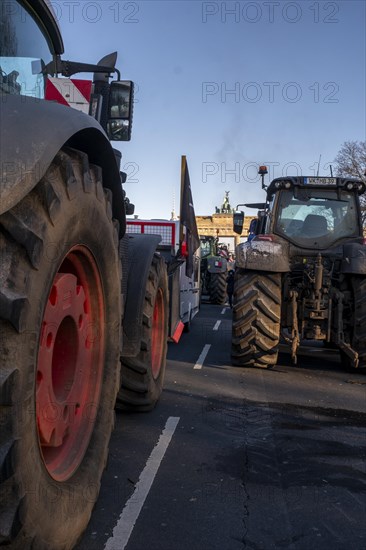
{"x": 143, "y": 375}
{"x": 256, "y": 319}
{"x": 358, "y": 339}
{"x": 218, "y": 288}
{"x": 59, "y": 354}
{"x": 359, "y": 333}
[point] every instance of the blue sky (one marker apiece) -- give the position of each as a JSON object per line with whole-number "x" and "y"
{"x": 295, "y": 70}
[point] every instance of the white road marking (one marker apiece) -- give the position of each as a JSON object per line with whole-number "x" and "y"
{"x": 217, "y": 324}
{"x": 202, "y": 357}
{"x": 132, "y": 509}
{"x": 223, "y": 311}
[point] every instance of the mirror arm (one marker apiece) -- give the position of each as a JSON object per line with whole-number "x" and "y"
{"x": 69, "y": 68}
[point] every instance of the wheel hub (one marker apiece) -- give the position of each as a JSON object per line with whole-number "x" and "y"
{"x": 157, "y": 338}
{"x": 70, "y": 364}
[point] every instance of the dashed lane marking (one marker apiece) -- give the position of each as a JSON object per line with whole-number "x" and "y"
{"x": 132, "y": 509}
{"x": 216, "y": 326}
{"x": 223, "y": 311}
{"x": 202, "y": 357}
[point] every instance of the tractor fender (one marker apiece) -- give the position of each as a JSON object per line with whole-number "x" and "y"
{"x": 141, "y": 249}
{"x": 260, "y": 255}
{"x": 354, "y": 259}
{"x": 217, "y": 264}
{"x": 33, "y": 131}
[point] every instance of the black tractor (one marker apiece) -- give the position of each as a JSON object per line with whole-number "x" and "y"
{"x": 302, "y": 277}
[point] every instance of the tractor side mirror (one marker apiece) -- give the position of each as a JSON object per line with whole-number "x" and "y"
{"x": 120, "y": 110}
{"x": 238, "y": 219}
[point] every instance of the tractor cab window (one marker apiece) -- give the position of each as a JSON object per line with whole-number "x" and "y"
{"x": 316, "y": 217}
{"x": 205, "y": 248}
{"x": 23, "y": 50}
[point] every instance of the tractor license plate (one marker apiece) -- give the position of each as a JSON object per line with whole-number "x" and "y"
{"x": 320, "y": 181}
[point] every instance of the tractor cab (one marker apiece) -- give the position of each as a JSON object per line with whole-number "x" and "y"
{"x": 314, "y": 212}
{"x": 26, "y": 45}
{"x": 30, "y": 65}
{"x": 308, "y": 212}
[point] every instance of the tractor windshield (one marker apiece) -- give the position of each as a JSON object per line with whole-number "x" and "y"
{"x": 23, "y": 50}
{"x": 316, "y": 218}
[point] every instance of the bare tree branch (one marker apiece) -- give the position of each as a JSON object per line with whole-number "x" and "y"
{"x": 351, "y": 161}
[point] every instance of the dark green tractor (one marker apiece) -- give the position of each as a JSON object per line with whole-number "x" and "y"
{"x": 214, "y": 263}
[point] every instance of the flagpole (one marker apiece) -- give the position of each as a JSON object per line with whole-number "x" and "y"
{"x": 182, "y": 176}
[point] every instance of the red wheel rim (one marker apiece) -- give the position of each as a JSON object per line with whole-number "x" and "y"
{"x": 158, "y": 334}
{"x": 70, "y": 363}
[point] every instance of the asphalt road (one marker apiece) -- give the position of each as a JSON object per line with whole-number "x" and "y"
{"x": 253, "y": 459}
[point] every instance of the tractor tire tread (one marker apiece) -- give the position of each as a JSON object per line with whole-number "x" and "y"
{"x": 139, "y": 392}
{"x": 359, "y": 337}
{"x": 218, "y": 288}
{"x": 256, "y": 319}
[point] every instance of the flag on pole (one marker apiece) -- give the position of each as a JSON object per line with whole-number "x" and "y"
{"x": 188, "y": 220}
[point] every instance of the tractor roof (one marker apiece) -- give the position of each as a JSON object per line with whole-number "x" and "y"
{"x": 315, "y": 182}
